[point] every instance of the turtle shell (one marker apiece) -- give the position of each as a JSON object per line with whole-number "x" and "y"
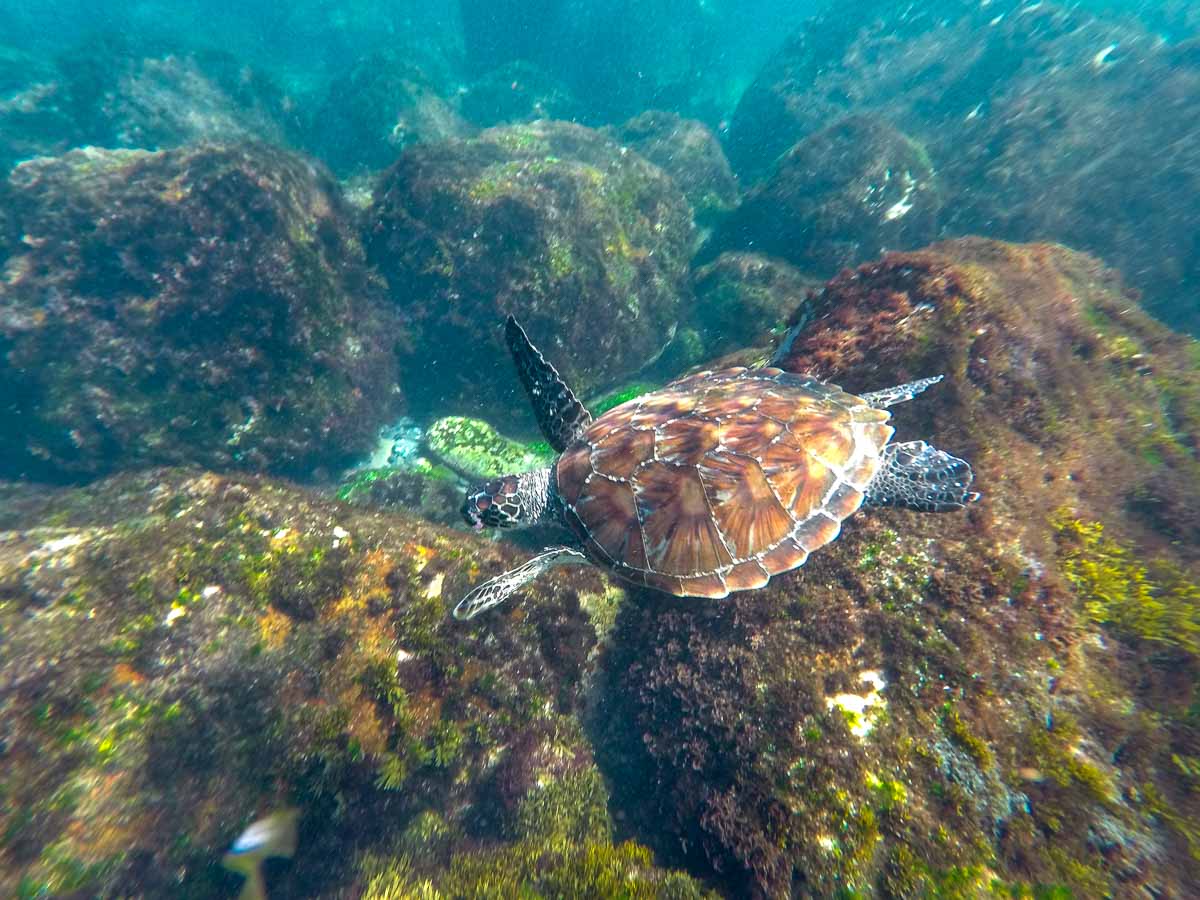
{"x": 720, "y": 480}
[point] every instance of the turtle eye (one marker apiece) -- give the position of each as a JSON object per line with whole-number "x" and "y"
{"x": 477, "y": 508}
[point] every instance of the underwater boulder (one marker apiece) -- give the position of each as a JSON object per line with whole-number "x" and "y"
{"x": 1048, "y": 162}
{"x": 923, "y": 66}
{"x": 206, "y": 305}
{"x": 518, "y": 91}
{"x": 476, "y": 450}
{"x": 120, "y": 95}
{"x": 587, "y": 244}
{"x": 1043, "y": 348}
{"x": 1044, "y": 122}
{"x": 33, "y": 117}
{"x": 424, "y": 489}
{"x": 186, "y": 652}
{"x": 383, "y": 104}
{"x": 689, "y": 152}
{"x": 740, "y": 297}
{"x": 839, "y": 197}
{"x": 107, "y": 93}
{"x": 999, "y": 699}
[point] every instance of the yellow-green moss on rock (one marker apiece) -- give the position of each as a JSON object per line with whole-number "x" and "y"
{"x": 1155, "y": 603}
{"x": 476, "y": 450}
{"x": 185, "y": 652}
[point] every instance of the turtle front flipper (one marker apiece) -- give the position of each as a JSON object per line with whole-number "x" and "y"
{"x": 560, "y": 415}
{"x": 496, "y": 590}
{"x": 901, "y": 393}
{"x": 922, "y": 477}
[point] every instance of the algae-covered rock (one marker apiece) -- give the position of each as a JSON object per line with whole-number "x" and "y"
{"x": 1014, "y": 102}
{"x": 585, "y": 243}
{"x": 208, "y": 305}
{"x": 167, "y": 101}
{"x": 1041, "y": 165}
{"x": 742, "y": 296}
{"x": 999, "y": 699}
{"x": 837, "y": 198}
{"x": 106, "y": 92}
{"x": 690, "y": 153}
{"x": 1043, "y": 345}
{"x": 518, "y": 91}
{"x": 550, "y": 801}
{"x": 121, "y": 94}
{"x": 383, "y": 104}
{"x": 34, "y": 119}
{"x": 421, "y": 488}
{"x": 476, "y": 450}
{"x": 930, "y": 64}
{"x": 185, "y": 652}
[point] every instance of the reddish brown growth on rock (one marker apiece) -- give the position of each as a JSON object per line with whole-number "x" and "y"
{"x": 925, "y": 706}
{"x": 1055, "y": 378}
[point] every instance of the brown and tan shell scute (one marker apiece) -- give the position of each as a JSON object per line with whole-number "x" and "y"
{"x": 721, "y": 480}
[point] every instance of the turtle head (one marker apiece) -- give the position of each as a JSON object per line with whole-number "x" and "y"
{"x": 510, "y": 501}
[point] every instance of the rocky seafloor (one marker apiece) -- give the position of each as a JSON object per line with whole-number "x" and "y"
{"x": 240, "y": 399}
{"x": 1001, "y": 699}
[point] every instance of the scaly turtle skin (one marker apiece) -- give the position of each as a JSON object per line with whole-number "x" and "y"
{"x": 714, "y": 483}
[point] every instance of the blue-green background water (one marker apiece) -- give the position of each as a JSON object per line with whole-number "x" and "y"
{"x": 254, "y": 263}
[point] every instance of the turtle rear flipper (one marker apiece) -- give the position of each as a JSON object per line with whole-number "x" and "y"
{"x": 559, "y": 413}
{"x": 496, "y": 590}
{"x": 922, "y": 477}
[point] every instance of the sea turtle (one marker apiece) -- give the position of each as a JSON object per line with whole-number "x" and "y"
{"x": 712, "y": 484}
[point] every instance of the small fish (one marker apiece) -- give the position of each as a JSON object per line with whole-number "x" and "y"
{"x": 273, "y": 835}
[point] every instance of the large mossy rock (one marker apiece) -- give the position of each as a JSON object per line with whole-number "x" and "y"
{"x": 34, "y": 119}
{"x": 207, "y": 305}
{"x": 185, "y": 652}
{"x": 108, "y": 92}
{"x": 839, "y": 197}
{"x": 1014, "y": 103}
{"x": 742, "y": 297}
{"x": 518, "y": 91}
{"x": 586, "y": 243}
{"x": 383, "y": 104}
{"x": 1041, "y": 166}
{"x": 930, "y": 63}
{"x": 120, "y": 98}
{"x": 689, "y": 152}
{"x": 996, "y": 699}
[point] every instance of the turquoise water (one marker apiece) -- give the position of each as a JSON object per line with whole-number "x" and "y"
{"x": 306, "y": 590}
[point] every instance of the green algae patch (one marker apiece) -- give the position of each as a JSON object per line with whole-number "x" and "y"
{"x": 533, "y": 870}
{"x": 1155, "y": 603}
{"x": 476, "y": 450}
{"x": 605, "y": 402}
{"x": 558, "y": 845}
{"x": 418, "y": 485}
